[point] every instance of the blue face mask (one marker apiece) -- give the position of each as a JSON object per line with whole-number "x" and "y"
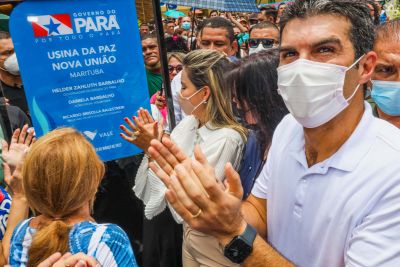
{"x": 186, "y": 25}
{"x": 386, "y": 95}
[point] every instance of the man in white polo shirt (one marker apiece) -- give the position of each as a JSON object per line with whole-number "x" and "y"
{"x": 329, "y": 194}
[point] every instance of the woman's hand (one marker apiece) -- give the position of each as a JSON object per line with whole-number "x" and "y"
{"x": 142, "y": 130}
{"x": 77, "y": 260}
{"x": 14, "y": 181}
{"x": 14, "y": 153}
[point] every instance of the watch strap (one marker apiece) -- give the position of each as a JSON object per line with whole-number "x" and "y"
{"x": 249, "y": 234}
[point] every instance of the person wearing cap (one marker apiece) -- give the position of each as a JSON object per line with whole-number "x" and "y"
{"x": 386, "y": 78}
{"x": 253, "y": 19}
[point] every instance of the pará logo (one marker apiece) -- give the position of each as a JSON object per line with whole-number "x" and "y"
{"x": 61, "y": 24}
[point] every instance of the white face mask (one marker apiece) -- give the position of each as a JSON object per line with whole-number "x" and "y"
{"x": 11, "y": 65}
{"x": 259, "y": 48}
{"x": 313, "y": 91}
{"x": 187, "y": 107}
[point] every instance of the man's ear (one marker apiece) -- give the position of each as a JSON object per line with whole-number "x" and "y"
{"x": 234, "y": 48}
{"x": 367, "y": 67}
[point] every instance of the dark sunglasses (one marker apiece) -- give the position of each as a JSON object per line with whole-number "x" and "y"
{"x": 178, "y": 68}
{"x": 266, "y": 42}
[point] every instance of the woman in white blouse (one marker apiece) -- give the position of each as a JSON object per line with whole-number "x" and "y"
{"x": 211, "y": 125}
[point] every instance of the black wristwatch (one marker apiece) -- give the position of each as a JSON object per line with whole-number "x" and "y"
{"x": 241, "y": 246}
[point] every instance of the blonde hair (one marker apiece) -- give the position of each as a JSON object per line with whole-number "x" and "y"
{"x": 177, "y": 55}
{"x": 207, "y": 68}
{"x": 61, "y": 173}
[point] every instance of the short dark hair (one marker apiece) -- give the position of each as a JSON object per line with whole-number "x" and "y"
{"x": 214, "y": 11}
{"x": 271, "y": 12}
{"x": 149, "y": 36}
{"x": 361, "y": 32}
{"x": 222, "y": 23}
{"x": 381, "y": 3}
{"x": 144, "y": 24}
{"x": 264, "y": 25}
{"x": 4, "y": 35}
{"x": 254, "y": 82}
{"x": 281, "y": 4}
{"x": 199, "y": 27}
{"x": 176, "y": 44}
{"x": 388, "y": 31}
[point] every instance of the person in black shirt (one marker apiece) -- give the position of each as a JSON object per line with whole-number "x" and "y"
{"x": 10, "y": 78}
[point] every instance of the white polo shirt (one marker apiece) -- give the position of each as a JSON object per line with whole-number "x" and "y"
{"x": 344, "y": 211}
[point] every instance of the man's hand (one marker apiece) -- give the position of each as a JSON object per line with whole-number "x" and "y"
{"x": 196, "y": 194}
{"x": 142, "y": 130}
{"x": 168, "y": 155}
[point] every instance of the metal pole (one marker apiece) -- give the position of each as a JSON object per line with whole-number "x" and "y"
{"x": 164, "y": 62}
{"x": 5, "y": 124}
{"x": 193, "y": 25}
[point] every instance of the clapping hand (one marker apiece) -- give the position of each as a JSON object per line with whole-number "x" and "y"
{"x": 196, "y": 194}
{"x": 142, "y": 130}
{"x": 20, "y": 142}
{"x": 13, "y": 156}
{"x": 167, "y": 155}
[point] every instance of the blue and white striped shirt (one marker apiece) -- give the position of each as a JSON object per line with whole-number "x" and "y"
{"x": 107, "y": 243}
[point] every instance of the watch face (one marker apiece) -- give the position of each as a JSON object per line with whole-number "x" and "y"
{"x": 238, "y": 250}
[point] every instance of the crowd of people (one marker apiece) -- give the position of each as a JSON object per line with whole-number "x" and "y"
{"x": 286, "y": 150}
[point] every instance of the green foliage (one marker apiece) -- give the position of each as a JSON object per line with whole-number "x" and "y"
{"x": 393, "y": 9}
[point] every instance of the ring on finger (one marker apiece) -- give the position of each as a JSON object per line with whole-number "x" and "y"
{"x": 197, "y": 214}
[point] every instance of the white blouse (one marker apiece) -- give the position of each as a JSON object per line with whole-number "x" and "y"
{"x": 220, "y": 146}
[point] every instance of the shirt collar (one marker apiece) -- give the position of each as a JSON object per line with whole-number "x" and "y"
{"x": 206, "y": 130}
{"x": 360, "y": 142}
{"x": 349, "y": 154}
{"x": 203, "y": 131}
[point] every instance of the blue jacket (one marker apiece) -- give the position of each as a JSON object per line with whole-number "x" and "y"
{"x": 251, "y": 165}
